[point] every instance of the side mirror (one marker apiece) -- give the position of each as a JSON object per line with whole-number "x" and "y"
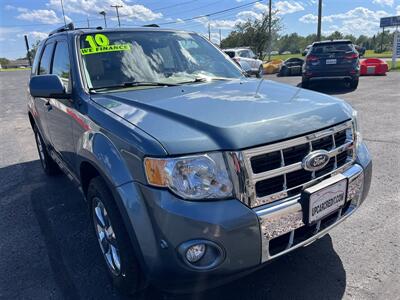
{"x": 47, "y": 86}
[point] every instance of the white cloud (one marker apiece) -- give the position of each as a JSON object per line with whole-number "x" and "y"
{"x": 286, "y": 7}
{"x": 44, "y": 16}
{"x": 127, "y": 11}
{"x": 282, "y": 7}
{"x": 359, "y": 20}
{"x": 249, "y": 14}
{"x": 383, "y": 2}
{"x": 7, "y": 32}
{"x": 398, "y": 10}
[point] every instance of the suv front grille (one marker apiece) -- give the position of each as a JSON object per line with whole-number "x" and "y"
{"x": 275, "y": 171}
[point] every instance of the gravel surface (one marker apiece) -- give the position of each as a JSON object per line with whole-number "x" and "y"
{"x": 49, "y": 252}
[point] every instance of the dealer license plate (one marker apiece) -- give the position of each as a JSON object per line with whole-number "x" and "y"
{"x": 325, "y": 201}
{"x": 331, "y": 61}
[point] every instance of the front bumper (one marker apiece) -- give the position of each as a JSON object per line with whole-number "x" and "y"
{"x": 249, "y": 237}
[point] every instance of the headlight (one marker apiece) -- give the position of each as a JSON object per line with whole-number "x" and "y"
{"x": 193, "y": 177}
{"x": 357, "y": 133}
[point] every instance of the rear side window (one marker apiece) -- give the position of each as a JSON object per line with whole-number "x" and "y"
{"x": 61, "y": 65}
{"x": 330, "y": 48}
{"x": 45, "y": 61}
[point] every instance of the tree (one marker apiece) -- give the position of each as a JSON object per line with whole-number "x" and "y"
{"x": 337, "y": 35}
{"x": 32, "y": 52}
{"x": 4, "y": 61}
{"x": 253, "y": 33}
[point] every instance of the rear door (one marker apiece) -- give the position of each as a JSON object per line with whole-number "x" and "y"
{"x": 60, "y": 111}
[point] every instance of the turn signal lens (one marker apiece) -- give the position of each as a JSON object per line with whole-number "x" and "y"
{"x": 155, "y": 171}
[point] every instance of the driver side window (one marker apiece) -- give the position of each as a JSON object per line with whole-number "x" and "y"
{"x": 61, "y": 64}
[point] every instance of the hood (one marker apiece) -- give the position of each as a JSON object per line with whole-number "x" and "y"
{"x": 224, "y": 115}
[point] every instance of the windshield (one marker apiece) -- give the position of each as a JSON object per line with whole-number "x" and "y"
{"x": 118, "y": 58}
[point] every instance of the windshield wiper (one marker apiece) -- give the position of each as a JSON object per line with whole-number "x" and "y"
{"x": 204, "y": 79}
{"x": 132, "y": 84}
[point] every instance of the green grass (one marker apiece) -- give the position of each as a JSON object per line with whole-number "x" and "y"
{"x": 372, "y": 53}
{"x": 14, "y": 69}
{"x": 397, "y": 65}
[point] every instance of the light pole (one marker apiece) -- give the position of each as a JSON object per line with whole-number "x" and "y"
{"x": 269, "y": 29}
{"x": 319, "y": 20}
{"x": 116, "y": 8}
{"x": 104, "y": 15}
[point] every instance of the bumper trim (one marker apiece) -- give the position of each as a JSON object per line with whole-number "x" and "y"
{"x": 286, "y": 216}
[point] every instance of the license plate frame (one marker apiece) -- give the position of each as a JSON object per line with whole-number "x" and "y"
{"x": 331, "y": 61}
{"x": 314, "y": 198}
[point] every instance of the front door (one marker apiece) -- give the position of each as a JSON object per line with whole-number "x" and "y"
{"x": 59, "y": 120}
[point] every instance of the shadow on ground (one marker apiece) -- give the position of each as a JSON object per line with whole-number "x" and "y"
{"x": 330, "y": 87}
{"x": 76, "y": 268}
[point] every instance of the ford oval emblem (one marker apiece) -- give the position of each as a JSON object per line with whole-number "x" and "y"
{"x": 316, "y": 160}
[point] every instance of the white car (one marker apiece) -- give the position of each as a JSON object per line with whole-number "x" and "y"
{"x": 247, "y": 60}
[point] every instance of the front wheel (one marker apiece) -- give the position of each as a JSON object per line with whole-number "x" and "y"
{"x": 113, "y": 238}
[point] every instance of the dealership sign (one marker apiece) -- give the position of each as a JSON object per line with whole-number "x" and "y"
{"x": 390, "y": 21}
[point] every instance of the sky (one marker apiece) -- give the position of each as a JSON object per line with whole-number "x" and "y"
{"x": 36, "y": 18}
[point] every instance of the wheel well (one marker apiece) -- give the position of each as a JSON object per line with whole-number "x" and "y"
{"x": 31, "y": 120}
{"x": 87, "y": 172}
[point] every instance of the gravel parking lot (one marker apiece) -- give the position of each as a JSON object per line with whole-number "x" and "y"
{"x": 48, "y": 250}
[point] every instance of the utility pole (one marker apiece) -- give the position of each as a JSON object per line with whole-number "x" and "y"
{"x": 88, "y": 24}
{"x": 220, "y": 37}
{"x": 209, "y": 32}
{"x": 116, "y": 8}
{"x": 104, "y": 15}
{"x": 269, "y": 29}
{"x": 62, "y": 8}
{"x": 319, "y": 20}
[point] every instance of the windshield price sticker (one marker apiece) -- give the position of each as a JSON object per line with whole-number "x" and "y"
{"x": 100, "y": 44}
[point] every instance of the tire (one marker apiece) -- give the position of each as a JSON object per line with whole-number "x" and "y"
{"x": 114, "y": 243}
{"x": 260, "y": 72}
{"x": 49, "y": 166}
{"x": 305, "y": 83}
{"x": 354, "y": 84}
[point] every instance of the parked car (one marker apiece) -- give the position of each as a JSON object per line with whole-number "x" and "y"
{"x": 360, "y": 50}
{"x": 194, "y": 175}
{"x": 286, "y": 52}
{"x": 291, "y": 67}
{"x": 246, "y": 58}
{"x": 274, "y": 52}
{"x": 305, "y": 51}
{"x": 336, "y": 59}
{"x": 272, "y": 66}
{"x": 373, "y": 66}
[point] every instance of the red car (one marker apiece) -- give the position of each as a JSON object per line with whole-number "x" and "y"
{"x": 373, "y": 66}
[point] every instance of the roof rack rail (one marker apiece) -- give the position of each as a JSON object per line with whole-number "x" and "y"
{"x": 151, "y": 25}
{"x": 69, "y": 26}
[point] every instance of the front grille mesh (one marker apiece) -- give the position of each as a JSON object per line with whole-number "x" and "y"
{"x": 277, "y": 168}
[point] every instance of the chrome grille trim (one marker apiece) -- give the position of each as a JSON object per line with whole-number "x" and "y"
{"x": 252, "y": 178}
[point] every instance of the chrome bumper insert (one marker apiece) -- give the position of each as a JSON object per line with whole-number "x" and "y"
{"x": 284, "y": 219}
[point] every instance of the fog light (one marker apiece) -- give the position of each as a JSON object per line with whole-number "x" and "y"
{"x": 195, "y": 253}
{"x": 355, "y": 189}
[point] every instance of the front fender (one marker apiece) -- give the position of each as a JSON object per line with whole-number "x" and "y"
{"x": 97, "y": 149}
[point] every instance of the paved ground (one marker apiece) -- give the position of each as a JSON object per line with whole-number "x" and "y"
{"x": 48, "y": 251}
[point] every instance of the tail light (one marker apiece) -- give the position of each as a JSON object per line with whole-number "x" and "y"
{"x": 312, "y": 58}
{"x": 351, "y": 56}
